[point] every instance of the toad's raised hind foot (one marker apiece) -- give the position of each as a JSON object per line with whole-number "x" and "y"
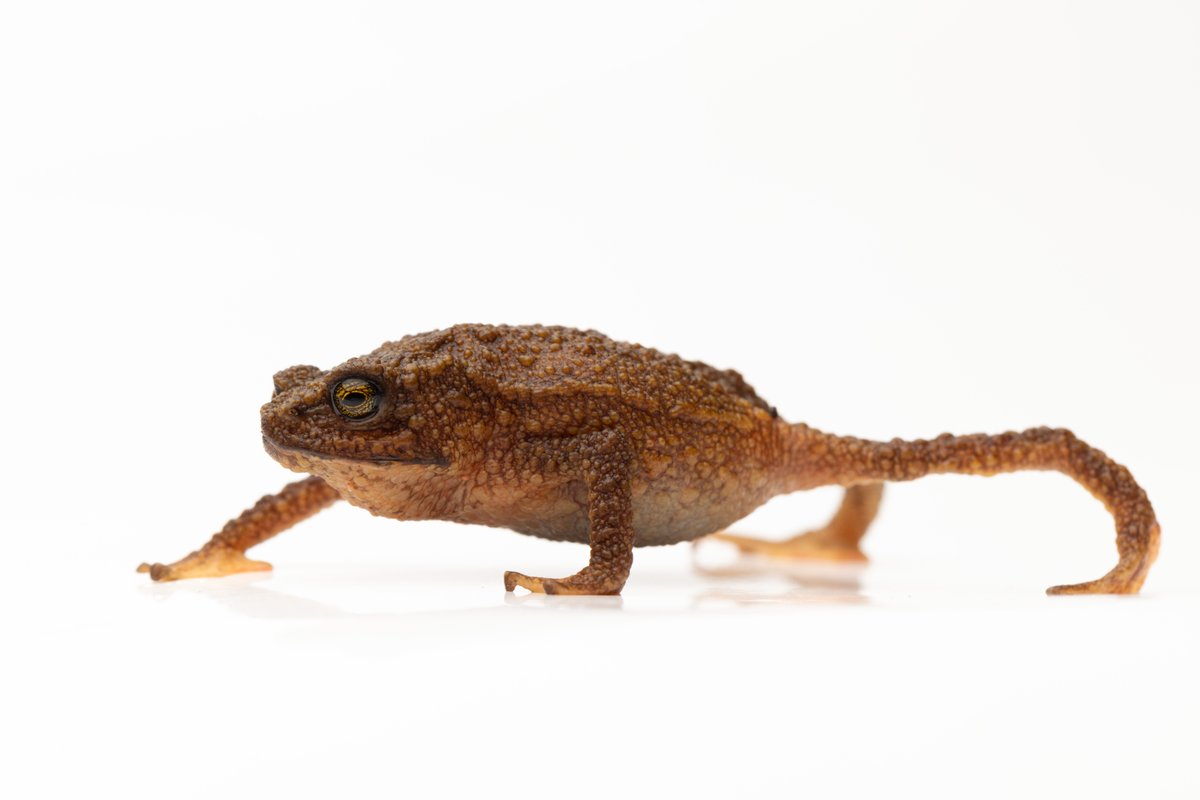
{"x": 1126, "y": 577}
{"x": 225, "y": 553}
{"x": 819, "y": 459}
{"x": 837, "y": 541}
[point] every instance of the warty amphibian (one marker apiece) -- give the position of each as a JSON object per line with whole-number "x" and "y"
{"x": 569, "y": 435}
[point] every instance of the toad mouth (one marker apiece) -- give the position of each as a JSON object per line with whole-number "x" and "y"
{"x": 300, "y": 458}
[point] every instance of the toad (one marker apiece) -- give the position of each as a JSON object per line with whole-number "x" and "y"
{"x": 566, "y": 434}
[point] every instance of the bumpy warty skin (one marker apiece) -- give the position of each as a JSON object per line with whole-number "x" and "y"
{"x": 569, "y": 435}
{"x": 490, "y": 424}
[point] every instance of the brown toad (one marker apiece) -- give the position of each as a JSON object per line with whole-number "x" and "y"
{"x": 566, "y": 434}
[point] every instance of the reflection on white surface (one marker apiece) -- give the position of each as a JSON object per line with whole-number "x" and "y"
{"x": 563, "y": 602}
{"x": 812, "y": 582}
{"x": 726, "y": 676}
{"x": 735, "y": 578}
{"x": 385, "y": 658}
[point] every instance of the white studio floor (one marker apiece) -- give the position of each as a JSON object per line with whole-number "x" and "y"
{"x": 894, "y": 219}
{"x": 351, "y": 668}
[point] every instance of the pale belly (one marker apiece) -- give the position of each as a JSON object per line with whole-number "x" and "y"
{"x": 665, "y": 511}
{"x": 661, "y": 515}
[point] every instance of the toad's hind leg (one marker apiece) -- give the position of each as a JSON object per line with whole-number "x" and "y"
{"x": 225, "y": 552}
{"x": 819, "y": 459}
{"x": 837, "y": 541}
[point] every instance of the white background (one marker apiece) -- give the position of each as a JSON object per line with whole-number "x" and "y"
{"x": 896, "y": 219}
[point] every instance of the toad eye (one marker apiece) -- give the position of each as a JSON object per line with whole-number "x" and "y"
{"x": 355, "y": 398}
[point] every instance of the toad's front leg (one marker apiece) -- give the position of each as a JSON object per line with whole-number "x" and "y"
{"x": 604, "y": 459}
{"x": 224, "y": 554}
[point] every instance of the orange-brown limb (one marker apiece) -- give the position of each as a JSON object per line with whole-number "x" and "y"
{"x": 605, "y": 468}
{"x": 837, "y": 541}
{"x": 821, "y": 459}
{"x": 225, "y": 552}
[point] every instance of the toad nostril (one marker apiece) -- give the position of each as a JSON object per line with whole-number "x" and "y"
{"x": 288, "y": 379}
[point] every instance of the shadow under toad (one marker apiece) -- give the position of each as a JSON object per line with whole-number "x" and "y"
{"x": 250, "y": 595}
{"x": 811, "y": 582}
{"x": 742, "y": 578}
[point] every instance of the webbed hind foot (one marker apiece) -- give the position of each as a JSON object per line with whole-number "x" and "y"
{"x": 1126, "y": 577}
{"x": 818, "y": 545}
{"x": 837, "y": 541}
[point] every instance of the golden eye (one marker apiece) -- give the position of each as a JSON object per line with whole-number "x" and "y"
{"x": 356, "y": 398}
